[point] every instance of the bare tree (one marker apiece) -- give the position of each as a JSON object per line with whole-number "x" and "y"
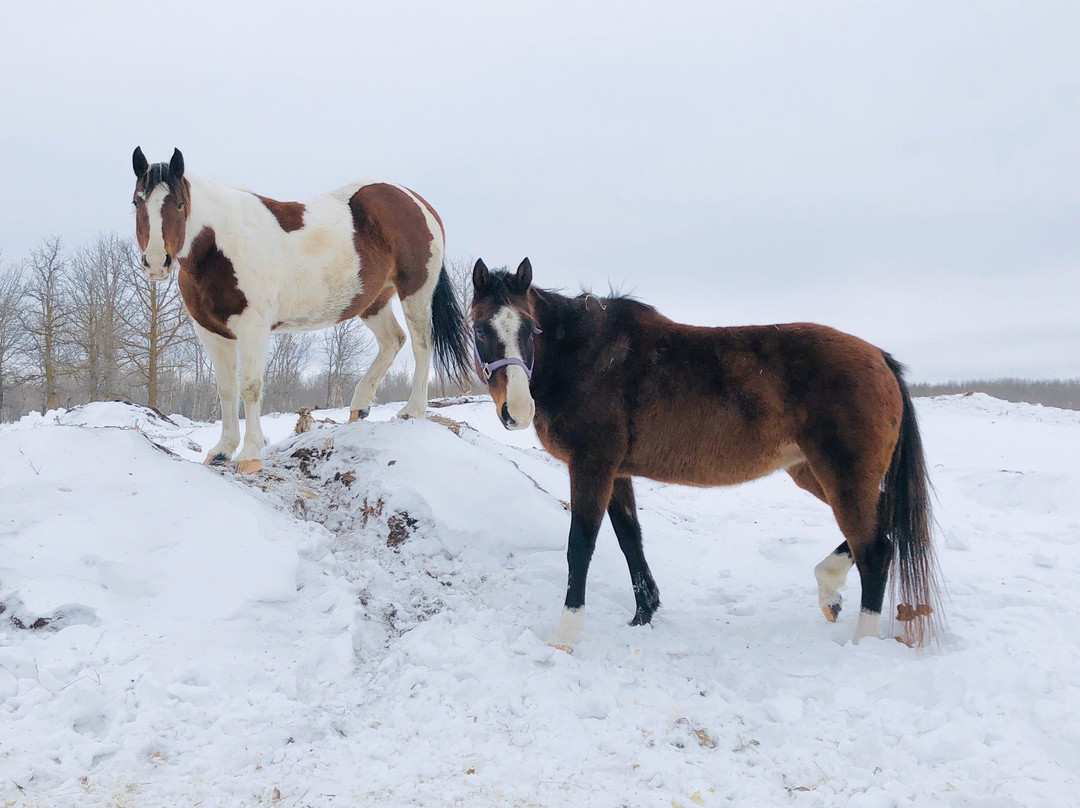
{"x": 341, "y": 350}
{"x": 12, "y": 336}
{"x": 156, "y": 324}
{"x": 99, "y": 295}
{"x": 290, "y": 353}
{"x": 45, "y": 316}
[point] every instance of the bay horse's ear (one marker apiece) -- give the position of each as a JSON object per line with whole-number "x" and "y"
{"x": 138, "y": 162}
{"x": 176, "y": 164}
{"x": 523, "y": 278}
{"x": 480, "y": 275}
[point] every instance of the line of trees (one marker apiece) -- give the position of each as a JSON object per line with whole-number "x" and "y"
{"x": 88, "y": 325}
{"x": 1057, "y": 393}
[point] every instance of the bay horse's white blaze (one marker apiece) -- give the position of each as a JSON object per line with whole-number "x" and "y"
{"x": 249, "y": 265}
{"x": 519, "y": 400}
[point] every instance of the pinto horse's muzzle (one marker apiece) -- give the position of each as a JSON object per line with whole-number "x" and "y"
{"x": 158, "y": 273}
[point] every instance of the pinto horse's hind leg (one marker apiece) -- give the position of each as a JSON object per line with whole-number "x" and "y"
{"x": 622, "y": 510}
{"x": 223, "y": 356}
{"x": 388, "y": 334}
{"x": 417, "y": 308}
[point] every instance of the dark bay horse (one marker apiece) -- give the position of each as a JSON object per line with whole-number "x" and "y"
{"x": 249, "y": 265}
{"x": 617, "y": 390}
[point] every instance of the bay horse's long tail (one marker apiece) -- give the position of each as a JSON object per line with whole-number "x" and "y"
{"x": 904, "y": 515}
{"x": 449, "y": 332}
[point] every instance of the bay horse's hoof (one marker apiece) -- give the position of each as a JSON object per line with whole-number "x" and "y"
{"x": 249, "y": 466}
{"x": 831, "y": 611}
{"x": 358, "y": 415}
{"x": 219, "y": 459}
{"x": 642, "y": 618}
{"x": 559, "y": 647}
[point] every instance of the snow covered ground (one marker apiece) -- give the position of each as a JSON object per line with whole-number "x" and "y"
{"x": 364, "y": 624}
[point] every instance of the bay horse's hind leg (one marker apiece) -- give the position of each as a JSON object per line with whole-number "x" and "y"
{"x": 388, "y": 334}
{"x": 622, "y": 510}
{"x": 872, "y": 552}
{"x": 832, "y": 571}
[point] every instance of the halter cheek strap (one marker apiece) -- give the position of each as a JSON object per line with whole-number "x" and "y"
{"x": 489, "y": 368}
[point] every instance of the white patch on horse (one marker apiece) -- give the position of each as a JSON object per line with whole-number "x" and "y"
{"x": 831, "y": 572}
{"x": 155, "y": 246}
{"x": 519, "y": 400}
{"x": 569, "y": 629}
{"x": 867, "y": 626}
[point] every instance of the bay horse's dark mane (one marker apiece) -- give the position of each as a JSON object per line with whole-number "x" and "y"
{"x": 501, "y": 293}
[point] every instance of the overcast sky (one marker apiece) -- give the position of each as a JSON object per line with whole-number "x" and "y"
{"x": 909, "y": 172}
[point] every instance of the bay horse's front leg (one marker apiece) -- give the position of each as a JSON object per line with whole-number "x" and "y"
{"x": 253, "y": 343}
{"x": 590, "y": 492}
{"x": 222, "y": 354}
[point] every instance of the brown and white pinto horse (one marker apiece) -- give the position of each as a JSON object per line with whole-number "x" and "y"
{"x": 249, "y": 265}
{"x": 617, "y": 390}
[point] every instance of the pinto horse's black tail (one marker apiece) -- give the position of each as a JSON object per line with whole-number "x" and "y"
{"x": 449, "y": 332}
{"x": 905, "y": 517}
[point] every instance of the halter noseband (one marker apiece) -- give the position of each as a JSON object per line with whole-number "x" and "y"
{"x": 489, "y": 369}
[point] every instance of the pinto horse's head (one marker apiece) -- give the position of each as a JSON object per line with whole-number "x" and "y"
{"x": 162, "y": 203}
{"x": 503, "y": 327}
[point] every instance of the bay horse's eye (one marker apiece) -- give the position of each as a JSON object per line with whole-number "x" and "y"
{"x": 179, "y": 205}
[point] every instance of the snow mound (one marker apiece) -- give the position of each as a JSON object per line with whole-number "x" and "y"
{"x": 363, "y": 623}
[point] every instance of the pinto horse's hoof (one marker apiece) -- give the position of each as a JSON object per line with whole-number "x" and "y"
{"x": 219, "y": 459}
{"x": 358, "y": 415}
{"x": 249, "y": 466}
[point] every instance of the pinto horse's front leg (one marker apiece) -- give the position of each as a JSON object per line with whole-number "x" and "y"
{"x": 222, "y": 353}
{"x": 590, "y": 492}
{"x": 253, "y": 344}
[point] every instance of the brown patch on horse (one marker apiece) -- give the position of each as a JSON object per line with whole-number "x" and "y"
{"x": 208, "y": 285}
{"x": 174, "y": 216}
{"x": 289, "y": 215}
{"x": 432, "y": 211}
{"x": 393, "y": 240}
{"x": 142, "y": 224}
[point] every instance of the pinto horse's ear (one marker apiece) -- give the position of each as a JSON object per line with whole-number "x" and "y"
{"x": 138, "y": 162}
{"x": 176, "y": 164}
{"x": 480, "y": 275}
{"x": 523, "y": 277}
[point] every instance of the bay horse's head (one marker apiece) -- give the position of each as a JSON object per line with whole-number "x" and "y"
{"x": 503, "y": 327}
{"x": 162, "y": 204}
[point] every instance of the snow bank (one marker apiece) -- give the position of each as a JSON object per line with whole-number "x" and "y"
{"x": 364, "y": 624}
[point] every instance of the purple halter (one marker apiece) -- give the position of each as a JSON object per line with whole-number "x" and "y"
{"x": 489, "y": 369}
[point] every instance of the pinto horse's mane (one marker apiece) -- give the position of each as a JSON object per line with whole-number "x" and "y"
{"x": 156, "y": 174}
